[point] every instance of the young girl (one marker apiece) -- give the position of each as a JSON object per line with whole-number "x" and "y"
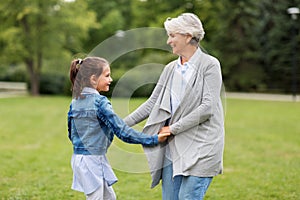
{"x": 91, "y": 126}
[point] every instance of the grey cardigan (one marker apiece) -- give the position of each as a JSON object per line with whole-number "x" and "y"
{"x": 197, "y": 125}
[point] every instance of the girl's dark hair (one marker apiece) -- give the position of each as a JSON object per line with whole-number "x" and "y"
{"x": 81, "y": 71}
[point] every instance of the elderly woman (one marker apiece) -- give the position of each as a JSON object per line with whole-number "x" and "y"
{"x": 186, "y": 103}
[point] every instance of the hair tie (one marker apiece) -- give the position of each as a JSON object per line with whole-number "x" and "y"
{"x": 79, "y": 61}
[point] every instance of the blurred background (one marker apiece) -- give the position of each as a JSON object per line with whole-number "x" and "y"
{"x": 257, "y": 41}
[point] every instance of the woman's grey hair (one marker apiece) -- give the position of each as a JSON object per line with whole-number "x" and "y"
{"x": 186, "y": 23}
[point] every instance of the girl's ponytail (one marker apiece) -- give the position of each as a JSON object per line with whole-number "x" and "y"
{"x": 75, "y": 65}
{"x": 74, "y": 69}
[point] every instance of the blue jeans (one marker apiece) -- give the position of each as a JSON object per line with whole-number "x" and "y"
{"x": 183, "y": 187}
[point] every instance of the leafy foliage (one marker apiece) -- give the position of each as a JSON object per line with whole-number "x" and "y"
{"x": 35, "y": 31}
{"x": 253, "y": 39}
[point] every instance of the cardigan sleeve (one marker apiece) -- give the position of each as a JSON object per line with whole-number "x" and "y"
{"x": 144, "y": 110}
{"x": 212, "y": 84}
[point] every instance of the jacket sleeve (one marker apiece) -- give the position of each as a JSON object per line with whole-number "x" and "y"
{"x": 69, "y": 122}
{"x": 211, "y": 97}
{"x": 106, "y": 114}
{"x": 144, "y": 110}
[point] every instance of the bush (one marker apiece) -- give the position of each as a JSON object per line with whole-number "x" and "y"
{"x": 13, "y": 74}
{"x": 53, "y": 83}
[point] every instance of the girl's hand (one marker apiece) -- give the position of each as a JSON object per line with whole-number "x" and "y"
{"x": 163, "y": 136}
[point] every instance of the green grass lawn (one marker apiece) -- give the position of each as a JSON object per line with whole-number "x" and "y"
{"x": 261, "y": 161}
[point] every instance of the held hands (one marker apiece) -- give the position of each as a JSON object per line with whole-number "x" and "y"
{"x": 164, "y": 133}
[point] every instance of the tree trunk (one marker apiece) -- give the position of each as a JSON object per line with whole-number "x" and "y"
{"x": 34, "y": 78}
{"x": 35, "y": 84}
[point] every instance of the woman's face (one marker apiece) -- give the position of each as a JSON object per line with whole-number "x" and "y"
{"x": 104, "y": 80}
{"x": 178, "y": 42}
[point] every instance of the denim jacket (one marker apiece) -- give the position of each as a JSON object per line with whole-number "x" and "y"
{"x": 92, "y": 124}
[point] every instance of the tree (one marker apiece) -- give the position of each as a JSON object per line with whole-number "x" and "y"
{"x": 251, "y": 38}
{"x": 37, "y": 30}
{"x": 253, "y": 43}
{"x": 275, "y": 30}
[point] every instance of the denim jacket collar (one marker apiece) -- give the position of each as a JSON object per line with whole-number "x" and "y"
{"x": 89, "y": 90}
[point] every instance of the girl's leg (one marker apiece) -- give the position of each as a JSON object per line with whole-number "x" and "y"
{"x": 104, "y": 192}
{"x": 109, "y": 192}
{"x": 96, "y": 195}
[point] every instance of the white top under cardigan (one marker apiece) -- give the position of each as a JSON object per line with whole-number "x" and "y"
{"x": 181, "y": 77}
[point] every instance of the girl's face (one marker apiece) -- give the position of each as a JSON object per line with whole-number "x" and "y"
{"x": 178, "y": 42}
{"x": 104, "y": 80}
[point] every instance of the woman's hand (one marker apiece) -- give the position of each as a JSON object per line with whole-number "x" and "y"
{"x": 165, "y": 129}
